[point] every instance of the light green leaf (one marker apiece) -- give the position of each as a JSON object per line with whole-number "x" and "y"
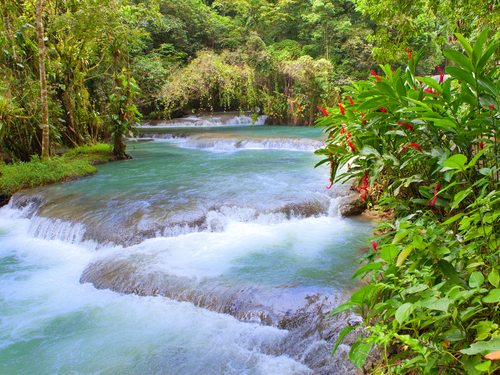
{"x": 403, "y": 312}
{"x": 483, "y": 347}
{"x": 459, "y": 58}
{"x": 359, "y": 354}
{"x": 465, "y": 44}
{"x": 456, "y": 161}
{"x": 367, "y": 268}
{"x": 404, "y": 254}
{"x": 342, "y": 334}
{"x": 494, "y": 278}
{"x": 476, "y": 279}
{"x": 485, "y": 366}
{"x": 492, "y": 297}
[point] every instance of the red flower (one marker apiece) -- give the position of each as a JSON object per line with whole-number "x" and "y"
{"x": 409, "y": 54}
{"x": 436, "y": 190}
{"x": 375, "y": 74}
{"x": 413, "y": 144}
{"x": 342, "y": 111}
{"x": 491, "y": 106}
{"x": 374, "y": 245}
{"x": 441, "y": 76}
{"x": 331, "y": 169}
{"x": 363, "y": 115}
{"x": 481, "y": 145}
{"x": 342, "y": 131}
{"x": 350, "y": 100}
{"x": 351, "y": 146}
{"x": 410, "y": 128}
{"x": 431, "y": 91}
{"x": 382, "y": 109}
{"x": 323, "y": 110}
{"x": 364, "y": 186}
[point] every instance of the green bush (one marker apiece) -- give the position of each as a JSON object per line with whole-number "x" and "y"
{"x": 428, "y": 151}
{"x": 76, "y": 162}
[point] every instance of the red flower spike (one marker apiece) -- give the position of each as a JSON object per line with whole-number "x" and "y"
{"x": 351, "y": 146}
{"x": 376, "y": 76}
{"x": 410, "y": 128}
{"x": 350, "y": 100}
{"x": 342, "y": 111}
{"x": 436, "y": 190}
{"x": 441, "y": 76}
{"x": 374, "y": 245}
{"x": 363, "y": 121}
{"x": 491, "y": 106}
{"x": 481, "y": 145}
{"x": 413, "y": 144}
{"x": 409, "y": 54}
{"x": 323, "y": 110}
{"x": 382, "y": 109}
{"x": 342, "y": 131}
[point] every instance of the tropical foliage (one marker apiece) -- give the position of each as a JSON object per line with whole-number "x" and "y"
{"x": 427, "y": 150}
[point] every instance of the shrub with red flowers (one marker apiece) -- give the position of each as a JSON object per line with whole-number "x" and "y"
{"x": 435, "y": 284}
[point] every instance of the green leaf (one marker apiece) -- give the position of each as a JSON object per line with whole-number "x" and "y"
{"x": 486, "y": 56}
{"x": 454, "y": 218}
{"x": 359, "y": 354}
{"x": 404, "y": 254}
{"x": 476, "y": 279}
{"x": 399, "y": 236}
{"x": 494, "y": 278}
{"x": 456, "y": 161}
{"x": 403, "y": 312}
{"x": 465, "y": 44}
{"x": 483, "y": 347}
{"x": 478, "y": 46}
{"x": 476, "y": 157}
{"x": 460, "y": 59}
{"x": 431, "y": 83}
{"x": 461, "y": 75}
{"x": 367, "y": 268}
{"x": 389, "y": 253}
{"x": 348, "y": 306}
{"x": 459, "y": 197}
{"x": 449, "y": 271}
{"x": 492, "y": 297}
{"x": 485, "y": 366}
{"x": 342, "y": 334}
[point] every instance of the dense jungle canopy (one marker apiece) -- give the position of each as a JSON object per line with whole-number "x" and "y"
{"x": 106, "y": 62}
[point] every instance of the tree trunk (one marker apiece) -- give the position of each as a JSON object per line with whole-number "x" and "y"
{"x": 43, "y": 81}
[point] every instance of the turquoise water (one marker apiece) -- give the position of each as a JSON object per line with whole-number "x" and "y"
{"x": 232, "y": 243}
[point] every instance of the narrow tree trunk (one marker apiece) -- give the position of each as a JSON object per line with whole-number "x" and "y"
{"x": 43, "y": 82}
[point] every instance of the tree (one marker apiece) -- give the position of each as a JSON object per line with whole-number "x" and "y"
{"x": 43, "y": 80}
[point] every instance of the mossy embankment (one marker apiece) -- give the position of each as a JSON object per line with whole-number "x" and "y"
{"x": 75, "y": 163}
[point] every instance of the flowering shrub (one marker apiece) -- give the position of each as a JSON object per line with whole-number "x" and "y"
{"x": 428, "y": 151}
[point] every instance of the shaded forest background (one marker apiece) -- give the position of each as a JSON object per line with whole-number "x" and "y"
{"x": 108, "y": 62}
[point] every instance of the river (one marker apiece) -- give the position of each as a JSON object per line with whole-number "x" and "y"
{"x": 215, "y": 250}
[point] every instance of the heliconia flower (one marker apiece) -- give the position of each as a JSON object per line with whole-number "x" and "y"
{"x": 481, "y": 145}
{"x": 349, "y": 134}
{"x": 413, "y": 144}
{"x": 409, "y": 54}
{"x": 331, "y": 169}
{"x": 342, "y": 111}
{"x": 323, "y": 110}
{"x": 431, "y": 91}
{"x": 374, "y": 245}
{"x": 348, "y": 166}
{"x": 415, "y": 87}
{"x": 441, "y": 76}
{"x": 393, "y": 129}
{"x": 491, "y": 106}
{"x": 376, "y": 76}
{"x": 363, "y": 121}
{"x": 410, "y": 128}
{"x": 350, "y": 100}
{"x": 342, "y": 131}
{"x": 436, "y": 190}
{"x": 382, "y": 109}
{"x": 351, "y": 146}
{"x": 364, "y": 186}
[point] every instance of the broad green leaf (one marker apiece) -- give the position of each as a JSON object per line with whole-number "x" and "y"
{"x": 367, "y": 268}
{"x": 485, "y": 366}
{"x": 342, "y": 334}
{"x": 476, "y": 279}
{"x": 494, "y": 278}
{"x": 492, "y": 297}
{"x": 454, "y": 334}
{"x": 359, "y": 354}
{"x": 459, "y": 197}
{"x": 404, "y": 254}
{"x": 483, "y": 347}
{"x": 449, "y": 271}
{"x": 348, "y": 306}
{"x": 454, "y": 218}
{"x": 431, "y": 83}
{"x": 456, "y": 161}
{"x": 461, "y": 75}
{"x": 389, "y": 253}
{"x": 478, "y": 46}
{"x": 399, "y": 236}
{"x": 465, "y": 44}
{"x": 486, "y": 56}
{"x": 403, "y": 312}
{"x": 476, "y": 157}
{"x": 460, "y": 59}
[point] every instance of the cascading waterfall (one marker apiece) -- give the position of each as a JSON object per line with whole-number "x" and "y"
{"x": 224, "y": 262}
